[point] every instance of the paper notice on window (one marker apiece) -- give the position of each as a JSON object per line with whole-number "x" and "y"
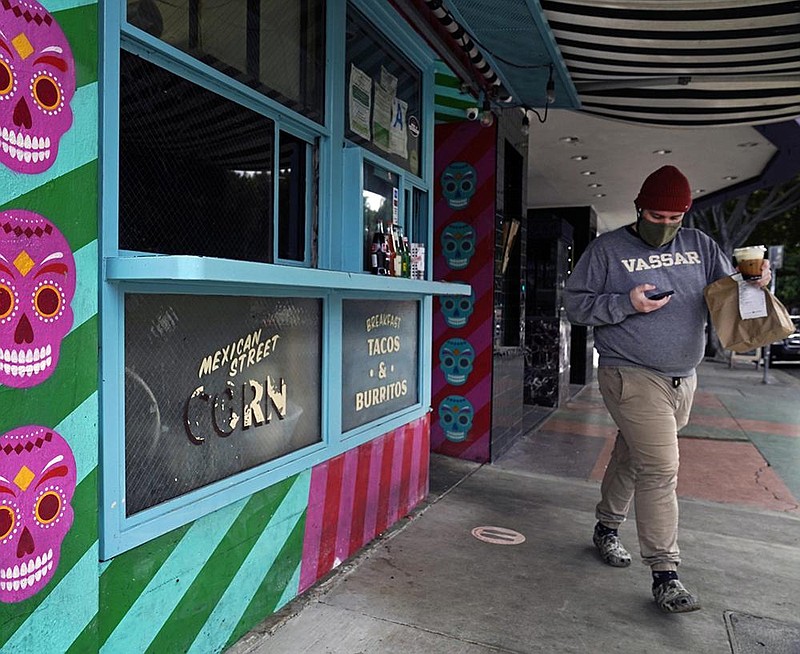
{"x": 388, "y": 81}
{"x": 398, "y": 134}
{"x": 752, "y": 301}
{"x": 360, "y": 102}
{"x": 381, "y": 117}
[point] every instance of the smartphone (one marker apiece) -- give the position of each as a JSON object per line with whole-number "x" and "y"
{"x": 660, "y": 295}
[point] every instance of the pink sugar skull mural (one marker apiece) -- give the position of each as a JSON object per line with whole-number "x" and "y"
{"x": 37, "y": 82}
{"x": 37, "y": 481}
{"x": 37, "y": 283}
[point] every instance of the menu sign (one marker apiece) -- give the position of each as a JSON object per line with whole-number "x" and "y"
{"x": 380, "y": 359}
{"x": 215, "y": 385}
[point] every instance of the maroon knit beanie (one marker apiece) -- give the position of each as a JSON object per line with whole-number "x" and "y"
{"x": 667, "y": 189}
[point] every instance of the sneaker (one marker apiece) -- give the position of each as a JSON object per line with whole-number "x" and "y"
{"x": 611, "y": 550}
{"x": 672, "y": 597}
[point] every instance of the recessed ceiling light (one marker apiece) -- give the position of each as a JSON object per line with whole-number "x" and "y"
{"x": 579, "y": 157}
{"x": 599, "y": 195}
{"x": 699, "y": 190}
{"x": 595, "y": 185}
{"x": 748, "y": 144}
{"x": 730, "y": 177}
{"x": 588, "y": 172}
{"x": 662, "y": 151}
{"x": 569, "y": 139}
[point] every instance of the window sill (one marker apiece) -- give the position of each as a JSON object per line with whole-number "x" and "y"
{"x": 158, "y": 270}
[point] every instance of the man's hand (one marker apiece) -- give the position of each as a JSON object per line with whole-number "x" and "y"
{"x": 642, "y": 303}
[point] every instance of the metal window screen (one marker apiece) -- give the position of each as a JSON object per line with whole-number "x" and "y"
{"x": 195, "y": 169}
{"x": 205, "y": 380}
{"x": 272, "y": 46}
{"x": 292, "y": 210}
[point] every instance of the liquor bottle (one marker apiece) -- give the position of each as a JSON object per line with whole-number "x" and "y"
{"x": 391, "y": 251}
{"x": 397, "y": 239}
{"x": 378, "y": 251}
{"x": 406, "y": 258}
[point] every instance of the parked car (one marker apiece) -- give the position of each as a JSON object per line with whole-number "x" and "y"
{"x": 789, "y": 348}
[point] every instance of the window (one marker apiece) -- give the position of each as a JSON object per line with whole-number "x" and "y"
{"x": 211, "y": 386}
{"x": 195, "y": 168}
{"x": 380, "y": 204}
{"x": 272, "y": 46}
{"x": 292, "y": 198}
{"x": 217, "y": 360}
{"x": 384, "y": 101}
{"x": 197, "y": 173}
{"x": 215, "y": 385}
{"x": 418, "y": 214}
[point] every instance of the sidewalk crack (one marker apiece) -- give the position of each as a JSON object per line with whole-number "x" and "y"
{"x": 760, "y": 482}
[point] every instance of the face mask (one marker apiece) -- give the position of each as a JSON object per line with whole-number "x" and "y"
{"x": 656, "y": 234}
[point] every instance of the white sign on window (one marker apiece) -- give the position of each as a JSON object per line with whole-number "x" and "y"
{"x": 360, "y": 102}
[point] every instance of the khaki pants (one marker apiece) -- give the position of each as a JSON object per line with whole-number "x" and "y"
{"x": 649, "y": 410}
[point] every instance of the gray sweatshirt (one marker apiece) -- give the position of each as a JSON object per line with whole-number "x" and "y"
{"x": 670, "y": 340}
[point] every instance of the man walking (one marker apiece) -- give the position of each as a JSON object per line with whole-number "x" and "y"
{"x": 641, "y": 287}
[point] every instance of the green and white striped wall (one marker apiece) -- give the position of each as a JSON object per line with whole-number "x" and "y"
{"x": 451, "y": 103}
{"x": 200, "y": 588}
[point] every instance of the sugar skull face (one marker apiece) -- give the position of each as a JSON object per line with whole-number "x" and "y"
{"x": 456, "y": 358}
{"x": 457, "y": 309}
{"x": 37, "y": 82}
{"x": 458, "y": 245}
{"x": 37, "y": 481}
{"x": 455, "y": 417}
{"x": 459, "y": 181}
{"x": 37, "y": 283}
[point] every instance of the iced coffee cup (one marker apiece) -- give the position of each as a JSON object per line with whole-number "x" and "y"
{"x": 748, "y": 260}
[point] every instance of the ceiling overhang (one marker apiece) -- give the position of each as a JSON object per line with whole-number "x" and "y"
{"x": 512, "y": 39}
{"x": 582, "y": 160}
{"x": 694, "y": 63}
{"x": 701, "y": 79}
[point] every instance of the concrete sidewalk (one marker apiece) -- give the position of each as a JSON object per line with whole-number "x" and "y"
{"x": 429, "y": 586}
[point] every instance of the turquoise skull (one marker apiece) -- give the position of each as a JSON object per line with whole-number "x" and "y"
{"x": 455, "y": 417}
{"x": 459, "y": 181}
{"x": 456, "y": 358}
{"x": 457, "y": 309}
{"x": 458, "y": 245}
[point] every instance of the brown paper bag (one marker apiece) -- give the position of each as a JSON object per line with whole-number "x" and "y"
{"x": 739, "y": 334}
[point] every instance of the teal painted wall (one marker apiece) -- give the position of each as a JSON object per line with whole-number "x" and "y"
{"x": 66, "y": 401}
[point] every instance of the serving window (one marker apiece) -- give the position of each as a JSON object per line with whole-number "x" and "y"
{"x": 222, "y": 366}
{"x": 273, "y": 46}
{"x": 195, "y": 169}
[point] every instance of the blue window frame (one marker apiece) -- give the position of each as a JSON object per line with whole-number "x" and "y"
{"x": 312, "y": 262}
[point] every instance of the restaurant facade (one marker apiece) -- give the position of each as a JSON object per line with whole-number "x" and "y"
{"x": 214, "y": 389}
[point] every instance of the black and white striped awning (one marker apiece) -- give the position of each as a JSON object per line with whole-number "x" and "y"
{"x": 686, "y": 63}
